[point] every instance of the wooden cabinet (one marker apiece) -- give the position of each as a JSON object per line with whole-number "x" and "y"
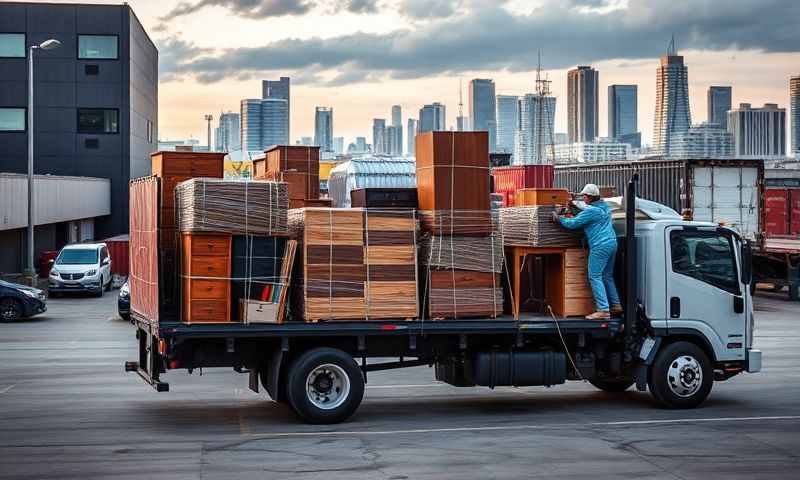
{"x": 541, "y": 196}
{"x": 205, "y": 277}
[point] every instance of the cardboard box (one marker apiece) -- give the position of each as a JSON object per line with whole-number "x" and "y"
{"x": 256, "y": 311}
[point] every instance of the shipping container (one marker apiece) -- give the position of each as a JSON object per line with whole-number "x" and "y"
{"x": 369, "y": 172}
{"x": 728, "y": 191}
{"x": 118, "y": 249}
{"x": 507, "y": 180}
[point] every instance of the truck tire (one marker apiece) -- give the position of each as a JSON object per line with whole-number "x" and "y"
{"x": 613, "y": 386}
{"x": 324, "y": 386}
{"x": 681, "y": 376}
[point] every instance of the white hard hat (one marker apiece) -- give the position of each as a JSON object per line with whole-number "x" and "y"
{"x": 591, "y": 190}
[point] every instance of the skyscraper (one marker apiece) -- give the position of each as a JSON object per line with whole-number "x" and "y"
{"x": 412, "y": 135}
{"x": 432, "y": 118}
{"x": 393, "y": 139}
{"x": 535, "y": 122}
{"x": 794, "y": 107}
{"x": 672, "y": 114}
{"x": 623, "y": 110}
{"x": 323, "y": 128}
{"x": 338, "y": 145}
{"x": 719, "y": 102}
{"x": 227, "y": 133}
{"x": 758, "y": 132}
{"x": 506, "y": 122}
{"x": 706, "y": 140}
{"x": 582, "y": 104}
{"x": 379, "y": 135}
{"x": 279, "y": 89}
{"x": 482, "y": 110}
{"x": 397, "y": 121}
{"x": 264, "y": 122}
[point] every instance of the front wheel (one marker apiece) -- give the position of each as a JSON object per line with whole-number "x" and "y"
{"x": 325, "y": 386}
{"x": 10, "y": 310}
{"x": 681, "y": 376}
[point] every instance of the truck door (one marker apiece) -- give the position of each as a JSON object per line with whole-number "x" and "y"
{"x": 704, "y": 289}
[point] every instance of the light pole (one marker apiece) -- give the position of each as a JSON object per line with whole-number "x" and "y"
{"x": 46, "y": 45}
{"x": 208, "y": 119}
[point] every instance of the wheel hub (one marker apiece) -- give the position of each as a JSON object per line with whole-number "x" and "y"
{"x": 327, "y": 386}
{"x": 684, "y": 376}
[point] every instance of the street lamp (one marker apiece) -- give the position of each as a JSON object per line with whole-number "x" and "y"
{"x": 46, "y": 45}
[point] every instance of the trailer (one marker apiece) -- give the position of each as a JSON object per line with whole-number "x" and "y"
{"x": 688, "y": 324}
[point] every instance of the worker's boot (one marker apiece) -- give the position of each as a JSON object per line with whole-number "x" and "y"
{"x": 598, "y": 315}
{"x": 616, "y": 310}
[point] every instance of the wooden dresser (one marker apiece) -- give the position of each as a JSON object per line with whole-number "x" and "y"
{"x": 205, "y": 277}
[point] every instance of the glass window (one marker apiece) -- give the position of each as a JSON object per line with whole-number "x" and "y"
{"x": 12, "y": 45}
{"x": 77, "y": 256}
{"x": 12, "y": 119}
{"x": 705, "y": 256}
{"x": 93, "y": 47}
{"x": 98, "y": 120}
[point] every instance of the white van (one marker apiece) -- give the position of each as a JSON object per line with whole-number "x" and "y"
{"x": 83, "y": 267}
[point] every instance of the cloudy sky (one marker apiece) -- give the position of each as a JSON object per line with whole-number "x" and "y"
{"x": 362, "y": 56}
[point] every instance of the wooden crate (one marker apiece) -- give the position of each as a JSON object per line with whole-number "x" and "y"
{"x": 542, "y": 196}
{"x": 453, "y": 176}
{"x": 458, "y": 294}
{"x": 205, "y": 277}
{"x": 357, "y": 264}
{"x": 283, "y": 158}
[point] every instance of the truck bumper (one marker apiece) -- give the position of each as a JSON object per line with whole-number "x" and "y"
{"x": 753, "y": 360}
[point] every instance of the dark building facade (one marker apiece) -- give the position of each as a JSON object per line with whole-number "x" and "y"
{"x": 95, "y": 97}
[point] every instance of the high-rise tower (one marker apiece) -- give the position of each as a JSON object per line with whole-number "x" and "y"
{"x": 507, "y": 113}
{"x": 719, "y": 102}
{"x": 323, "y": 128}
{"x": 794, "y": 109}
{"x": 280, "y": 89}
{"x": 623, "y": 111}
{"x": 582, "y": 104}
{"x": 482, "y": 109}
{"x": 672, "y": 114}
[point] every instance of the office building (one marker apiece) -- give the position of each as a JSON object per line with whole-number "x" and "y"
{"x": 596, "y": 151}
{"x": 758, "y": 132}
{"x": 672, "y": 114}
{"x": 379, "y": 135}
{"x": 397, "y": 121}
{"x": 623, "y": 111}
{"x": 506, "y": 115}
{"x": 323, "y": 128}
{"x": 227, "y": 136}
{"x": 582, "y": 104}
{"x": 189, "y": 144}
{"x": 411, "y": 128}
{"x": 95, "y": 122}
{"x": 719, "y": 102}
{"x": 338, "y": 145}
{"x": 432, "y": 118}
{"x": 482, "y": 109}
{"x": 462, "y": 123}
{"x": 361, "y": 144}
{"x": 534, "y": 139}
{"x": 280, "y": 89}
{"x": 393, "y": 141}
{"x": 794, "y": 102}
{"x": 264, "y": 122}
{"x": 706, "y": 140}
{"x": 560, "y": 138}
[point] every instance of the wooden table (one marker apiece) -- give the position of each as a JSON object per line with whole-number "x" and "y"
{"x": 566, "y": 285}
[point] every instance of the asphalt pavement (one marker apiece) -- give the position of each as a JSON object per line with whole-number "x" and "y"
{"x": 68, "y": 410}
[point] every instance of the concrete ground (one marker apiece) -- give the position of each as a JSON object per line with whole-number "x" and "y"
{"x": 67, "y": 410}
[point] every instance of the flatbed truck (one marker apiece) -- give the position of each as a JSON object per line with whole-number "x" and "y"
{"x": 688, "y": 322}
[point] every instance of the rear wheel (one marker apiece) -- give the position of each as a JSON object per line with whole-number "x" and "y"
{"x": 681, "y": 376}
{"x": 613, "y": 385}
{"x": 10, "y": 310}
{"x": 325, "y": 386}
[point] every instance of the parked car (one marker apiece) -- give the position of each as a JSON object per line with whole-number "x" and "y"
{"x": 81, "y": 267}
{"x": 20, "y": 301}
{"x": 124, "y": 301}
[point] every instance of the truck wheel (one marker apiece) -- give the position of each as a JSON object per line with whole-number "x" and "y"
{"x": 325, "y": 386}
{"x": 681, "y": 376}
{"x": 612, "y": 386}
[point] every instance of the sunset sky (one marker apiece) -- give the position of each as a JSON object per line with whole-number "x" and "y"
{"x": 362, "y": 56}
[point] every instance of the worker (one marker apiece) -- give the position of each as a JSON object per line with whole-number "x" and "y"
{"x": 595, "y": 220}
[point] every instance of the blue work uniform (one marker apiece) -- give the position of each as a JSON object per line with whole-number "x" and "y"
{"x": 596, "y": 223}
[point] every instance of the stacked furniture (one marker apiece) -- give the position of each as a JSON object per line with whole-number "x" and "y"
{"x": 460, "y": 226}
{"x": 298, "y": 167}
{"x": 356, "y": 264}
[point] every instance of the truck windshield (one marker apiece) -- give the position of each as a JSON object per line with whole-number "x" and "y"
{"x": 705, "y": 256}
{"x": 77, "y": 256}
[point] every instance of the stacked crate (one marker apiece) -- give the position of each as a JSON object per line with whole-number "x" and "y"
{"x": 298, "y": 167}
{"x": 456, "y": 215}
{"x": 355, "y": 264}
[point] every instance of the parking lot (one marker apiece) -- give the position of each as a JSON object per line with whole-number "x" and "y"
{"x": 69, "y": 411}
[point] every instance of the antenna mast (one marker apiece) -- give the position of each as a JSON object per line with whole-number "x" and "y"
{"x": 544, "y": 133}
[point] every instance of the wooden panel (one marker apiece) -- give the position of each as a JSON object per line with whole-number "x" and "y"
{"x": 449, "y": 279}
{"x": 335, "y": 309}
{"x": 377, "y": 238}
{"x": 324, "y": 226}
{"x": 542, "y": 196}
{"x": 202, "y": 289}
{"x": 392, "y": 273}
{"x": 324, "y": 289}
{"x": 392, "y": 255}
{"x": 208, "y": 266}
{"x": 208, "y": 311}
{"x": 391, "y": 299}
{"x": 578, "y": 307}
{"x": 336, "y": 254}
{"x": 576, "y": 257}
{"x": 201, "y": 244}
{"x": 341, "y": 273}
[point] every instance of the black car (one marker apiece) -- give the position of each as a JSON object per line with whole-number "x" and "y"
{"x": 124, "y": 302}
{"x": 20, "y": 301}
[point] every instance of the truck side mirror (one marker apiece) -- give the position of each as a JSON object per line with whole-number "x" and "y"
{"x": 747, "y": 262}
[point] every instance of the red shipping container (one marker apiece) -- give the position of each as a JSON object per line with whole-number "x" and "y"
{"x": 118, "y": 249}
{"x": 508, "y": 180}
{"x": 794, "y": 209}
{"x": 781, "y": 212}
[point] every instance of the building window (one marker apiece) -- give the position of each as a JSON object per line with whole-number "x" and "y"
{"x": 98, "y": 120}
{"x": 12, "y": 45}
{"x": 12, "y": 119}
{"x": 97, "y": 47}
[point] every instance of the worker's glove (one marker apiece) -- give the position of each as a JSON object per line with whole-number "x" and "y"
{"x": 554, "y": 217}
